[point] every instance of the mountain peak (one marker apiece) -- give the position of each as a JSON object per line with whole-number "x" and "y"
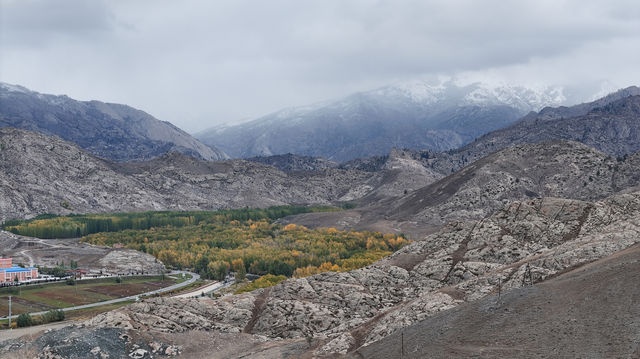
{"x": 13, "y": 88}
{"x": 113, "y": 131}
{"x": 413, "y": 114}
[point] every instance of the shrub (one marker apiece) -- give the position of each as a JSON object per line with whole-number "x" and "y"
{"x": 262, "y": 282}
{"x": 24, "y": 320}
{"x": 71, "y": 281}
{"x": 349, "y": 205}
{"x": 54, "y": 315}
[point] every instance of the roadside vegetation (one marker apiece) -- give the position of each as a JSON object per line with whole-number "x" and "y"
{"x": 26, "y": 320}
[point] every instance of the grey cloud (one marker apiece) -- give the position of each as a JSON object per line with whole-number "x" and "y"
{"x": 199, "y": 63}
{"x": 36, "y": 23}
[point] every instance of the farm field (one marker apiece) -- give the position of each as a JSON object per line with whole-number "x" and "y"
{"x": 61, "y": 295}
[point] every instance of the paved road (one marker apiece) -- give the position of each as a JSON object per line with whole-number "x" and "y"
{"x": 206, "y": 290}
{"x": 194, "y": 277}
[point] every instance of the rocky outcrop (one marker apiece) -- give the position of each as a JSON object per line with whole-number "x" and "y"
{"x": 292, "y": 163}
{"x": 128, "y": 261}
{"x": 561, "y": 169}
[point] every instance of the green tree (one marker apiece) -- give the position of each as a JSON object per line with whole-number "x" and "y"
{"x": 58, "y": 272}
{"x": 24, "y": 320}
{"x": 239, "y": 268}
{"x": 54, "y": 315}
{"x": 218, "y": 269}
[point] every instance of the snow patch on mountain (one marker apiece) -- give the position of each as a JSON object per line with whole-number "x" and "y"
{"x": 413, "y": 114}
{"x": 417, "y": 91}
{"x": 524, "y": 99}
{"x": 13, "y": 88}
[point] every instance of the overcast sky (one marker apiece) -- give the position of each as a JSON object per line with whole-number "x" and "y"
{"x": 202, "y": 63}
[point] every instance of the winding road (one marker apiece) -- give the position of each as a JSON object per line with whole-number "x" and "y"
{"x": 205, "y": 290}
{"x": 194, "y": 277}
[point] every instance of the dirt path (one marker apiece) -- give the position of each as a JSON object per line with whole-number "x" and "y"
{"x": 25, "y": 253}
{"x": 35, "y": 330}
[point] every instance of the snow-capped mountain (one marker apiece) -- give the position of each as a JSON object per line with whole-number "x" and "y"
{"x": 409, "y": 115}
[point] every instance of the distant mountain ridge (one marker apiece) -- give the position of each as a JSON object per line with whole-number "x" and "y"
{"x": 610, "y": 124}
{"x": 45, "y": 174}
{"x": 410, "y": 115}
{"x": 112, "y": 131}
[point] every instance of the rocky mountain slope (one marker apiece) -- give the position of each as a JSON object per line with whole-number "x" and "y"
{"x": 292, "y": 163}
{"x": 587, "y": 312}
{"x": 552, "y": 169}
{"x": 111, "y": 131}
{"x": 523, "y": 244}
{"x": 410, "y": 115}
{"x": 610, "y": 124}
{"x": 43, "y": 174}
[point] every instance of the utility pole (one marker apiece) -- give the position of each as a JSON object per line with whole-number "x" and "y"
{"x": 402, "y": 345}
{"x": 9, "y": 312}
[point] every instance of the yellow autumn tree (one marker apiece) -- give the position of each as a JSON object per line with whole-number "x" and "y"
{"x": 290, "y": 227}
{"x": 239, "y": 268}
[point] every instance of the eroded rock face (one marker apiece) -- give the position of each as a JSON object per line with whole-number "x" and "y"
{"x": 127, "y": 261}
{"x": 524, "y": 243}
{"x": 553, "y": 169}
